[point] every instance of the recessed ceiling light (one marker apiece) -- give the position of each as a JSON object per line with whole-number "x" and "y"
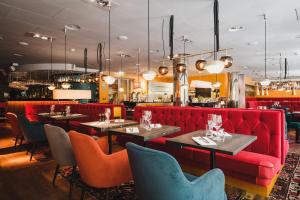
{"x": 252, "y": 43}
{"x": 122, "y": 37}
{"x": 1, "y": 38}
{"x": 15, "y": 64}
{"x": 44, "y": 37}
{"x": 236, "y": 28}
{"x": 154, "y": 51}
{"x": 23, "y": 43}
{"x": 72, "y": 50}
{"x": 36, "y": 35}
{"x": 72, "y": 27}
{"x": 17, "y": 54}
{"x": 298, "y": 36}
{"x": 245, "y": 67}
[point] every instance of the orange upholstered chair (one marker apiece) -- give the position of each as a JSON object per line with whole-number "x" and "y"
{"x": 15, "y": 127}
{"x": 96, "y": 168}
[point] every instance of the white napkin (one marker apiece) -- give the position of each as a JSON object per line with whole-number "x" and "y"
{"x": 57, "y": 116}
{"x": 155, "y": 125}
{"x": 75, "y": 114}
{"x": 132, "y": 130}
{"x": 203, "y": 141}
{"x": 227, "y": 134}
{"x": 119, "y": 120}
{"x": 42, "y": 114}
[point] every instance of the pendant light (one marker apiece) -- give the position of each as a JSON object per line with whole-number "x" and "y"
{"x": 215, "y": 66}
{"x": 137, "y": 85}
{"x": 65, "y": 84}
{"x": 266, "y": 82}
{"x": 181, "y": 66}
{"x": 200, "y": 64}
{"x": 121, "y": 89}
{"x": 163, "y": 69}
{"x": 109, "y": 79}
{"x": 51, "y": 86}
{"x": 149, "y": 75}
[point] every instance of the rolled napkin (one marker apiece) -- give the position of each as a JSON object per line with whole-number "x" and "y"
{"x": 155, "y": 126}
{"x": 119, "y": 120}
{"x": 203, "y": 141}
{"x": 132, "y": 130}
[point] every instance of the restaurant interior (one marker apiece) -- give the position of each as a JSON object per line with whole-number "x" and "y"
{"x": 149, "y": 100}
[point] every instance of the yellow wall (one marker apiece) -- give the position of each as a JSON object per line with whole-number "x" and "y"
{"x": 276, "y": 93}
{"x": 223, "y": 78}
{"x": 103, "y": 91}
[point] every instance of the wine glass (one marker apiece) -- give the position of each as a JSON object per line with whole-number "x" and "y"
{"x": 210, "y": 121}
{"x": 107, "y": 115}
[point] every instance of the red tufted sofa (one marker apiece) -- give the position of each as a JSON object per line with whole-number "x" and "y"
{"x": 292, "y": 103}
{"x": 92, "y": 110}
{"x": 258, "y": 164}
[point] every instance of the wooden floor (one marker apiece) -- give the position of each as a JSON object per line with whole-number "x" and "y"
{"x": 21, "y": 179}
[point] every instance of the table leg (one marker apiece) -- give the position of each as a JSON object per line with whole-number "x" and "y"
{"x": 68, "y": 125}
{"x": 109, "y": 136}
{"x": 212, "y": 159}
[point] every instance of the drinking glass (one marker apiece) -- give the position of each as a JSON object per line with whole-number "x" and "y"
{"x": 107, "y": 115}
{"x": 52, "y": 107}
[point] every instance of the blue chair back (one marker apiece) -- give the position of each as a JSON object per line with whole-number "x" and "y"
{"x": 157, "y": 175}
{"x": 33, "y": 132}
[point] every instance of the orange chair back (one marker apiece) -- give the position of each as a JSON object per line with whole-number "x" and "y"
{"x": 95, "y": 167}
{"x": 14, "y": 122}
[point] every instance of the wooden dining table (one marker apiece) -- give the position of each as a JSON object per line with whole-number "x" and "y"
{"x": 143, "y": 134}
{"x": 231, "y": 145}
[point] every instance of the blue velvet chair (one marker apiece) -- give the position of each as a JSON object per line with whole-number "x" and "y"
{"x": 34, "y": 133}
{"x": 157, "y": 175}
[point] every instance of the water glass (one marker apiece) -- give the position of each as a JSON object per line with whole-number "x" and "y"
{"x": 107, "y": 115}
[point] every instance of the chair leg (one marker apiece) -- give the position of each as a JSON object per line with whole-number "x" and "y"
{"x": 21, "y": 142}
{"x": 71, "y": 181}
{"x": 16, "y": 140}
{"x": 107, "y": 194}
{"x": 32, "y": 150}
{"x": 82, "y": 194}
{"x": 55, "y": 174}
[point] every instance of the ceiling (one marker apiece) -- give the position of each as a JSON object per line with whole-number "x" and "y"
{"x": 193, "y": 18}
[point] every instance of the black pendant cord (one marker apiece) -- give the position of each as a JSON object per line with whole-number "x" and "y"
{"x": 171, "y": 36}
{"x": 121, "y": 69}
{"x": 99, "y": 57}
{"x": 139, "y": 50}
{"x": 148, "y": 35}
{"x": 109, "y": 60}
{"x": 216, "y": 28}
{"x": 162, "y": 37}
{"x": 280, "y": 65}
{"x": 265, "y": 45}
{"x": 65, "y": 51}
{"x": 85, "y": 60}
{"x": 51, "y": 56}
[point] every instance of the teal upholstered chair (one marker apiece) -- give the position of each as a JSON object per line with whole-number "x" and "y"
{"x": 34, "y": 133}
{"x": 157, "y": 175}
{"x": 294, "y": 125}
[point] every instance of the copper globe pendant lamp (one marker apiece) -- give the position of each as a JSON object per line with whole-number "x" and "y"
{"x": 200, "y": 64}
{"x": 228, "y": 61}
{"x": 163, "y": 70}
{"x": 181, "y": 66}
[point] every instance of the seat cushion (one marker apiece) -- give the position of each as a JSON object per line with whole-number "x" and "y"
{"x": 249, "y": 166}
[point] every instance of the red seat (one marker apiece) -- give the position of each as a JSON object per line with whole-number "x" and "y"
{"x": 258, "y": 163}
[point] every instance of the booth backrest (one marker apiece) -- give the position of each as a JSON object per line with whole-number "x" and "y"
{"x": 292, "y": 105}
{"x": 18, "y": 107}
{"x": 267, "y": 125}
{"x": 91, "y": 110}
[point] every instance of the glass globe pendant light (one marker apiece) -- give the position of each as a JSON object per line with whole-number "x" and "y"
{"x": 109, "y": 79}
{"x": 149, "y": 75}
{"x": 121, "y": 89}
{"x": 266, "y": 82}
{"x": 215, "y": 66}
{"x": 65, "y": 84}
{"x": 51, "y": 86}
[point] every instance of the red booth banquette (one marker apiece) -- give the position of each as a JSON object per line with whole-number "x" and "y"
{"x": 292, "y": 103}
{"x": 91, "y": 110}
{"x": 255, "y": 168}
